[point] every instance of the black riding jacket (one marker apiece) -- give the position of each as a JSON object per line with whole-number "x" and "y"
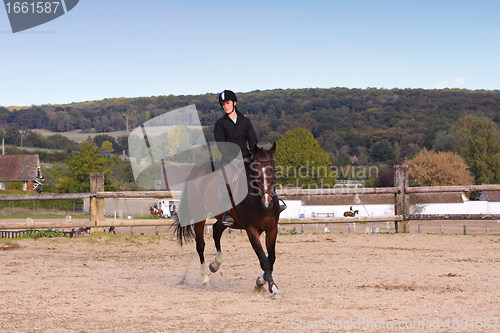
{"x": 226, "y": 130}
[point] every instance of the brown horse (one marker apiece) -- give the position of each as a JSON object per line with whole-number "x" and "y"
{"x": 257, "y": 213}
{"x": 79, "y": 231}
{"x": 155, "y": 213}
{"x": 351, "y": 214}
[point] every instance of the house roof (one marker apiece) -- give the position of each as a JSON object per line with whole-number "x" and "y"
{"x": 375, "y": 199}
{"x": 492, "y": 195}
{"x": 18, "y": 167}
{"x": 428, "y": 198}
{"x": 354, "y": 199}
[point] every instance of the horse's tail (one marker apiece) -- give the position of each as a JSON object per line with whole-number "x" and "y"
{"x": 183, "y": 233}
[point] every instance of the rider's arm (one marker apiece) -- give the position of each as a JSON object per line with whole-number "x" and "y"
{"x": 220, "y": 137}
{"x": 252, "y": 137}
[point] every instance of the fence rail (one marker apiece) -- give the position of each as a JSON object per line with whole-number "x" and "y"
{"x": 401, "y": 192}
{"x": 443, "y": 217}
{"x": 336, "y": 191}
{"x": 44, "y": 196}
{"x": 468, "y": 188}
{"x": 281, "y": 192}
{"x": 79, "y": 196}
{"x": 45, "y": 224}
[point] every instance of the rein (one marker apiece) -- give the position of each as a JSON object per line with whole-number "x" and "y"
{"x": 249, "y": 182}
{"x": 265, "y": 190}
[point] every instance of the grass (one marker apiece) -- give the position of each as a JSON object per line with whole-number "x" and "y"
{"x": 290, "y": 232}
{"x": 34, "y": 149}
{"x": 50, "y": 233}
{"x": 147, "y": 218}
{"x": 78, "y": 136}
{"x": 50, "y": 216}
{"x": 101, "y": 234}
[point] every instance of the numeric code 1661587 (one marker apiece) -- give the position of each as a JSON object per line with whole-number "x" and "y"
{"x": 38, "y": 7}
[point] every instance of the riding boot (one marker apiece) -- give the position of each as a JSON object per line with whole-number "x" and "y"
{"x": 227, "y": 218}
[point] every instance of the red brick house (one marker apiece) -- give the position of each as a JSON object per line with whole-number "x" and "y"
{"x": 21, "y": 168}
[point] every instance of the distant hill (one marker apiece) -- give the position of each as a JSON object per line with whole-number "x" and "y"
{"x": 344, "y": 121}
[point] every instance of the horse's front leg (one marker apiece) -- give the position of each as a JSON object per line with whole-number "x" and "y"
{"x": 200, "y": 248}
{"x": 265, "y": 263}
{"x": 218, "y": 229}
{"x": 271, "y": 236}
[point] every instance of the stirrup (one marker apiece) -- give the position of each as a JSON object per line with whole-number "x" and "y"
{"x": 227, "y": 219}
{"x": 283, "y": 206}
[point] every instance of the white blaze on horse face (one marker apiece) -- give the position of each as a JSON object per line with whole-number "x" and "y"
{"x": 266, "y": 197}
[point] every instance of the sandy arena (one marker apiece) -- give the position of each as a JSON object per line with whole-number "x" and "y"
{"x": 331, "y": 282}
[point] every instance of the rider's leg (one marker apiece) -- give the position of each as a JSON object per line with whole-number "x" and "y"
{"x": 227, "y": 217}
{"x": 227, "y": 176}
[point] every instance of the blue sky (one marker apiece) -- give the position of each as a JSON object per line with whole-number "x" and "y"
{"x": 107, "y": 49}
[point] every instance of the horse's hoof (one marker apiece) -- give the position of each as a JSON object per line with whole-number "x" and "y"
{"x": 212, "y": 267}
{"x": 276, "y": 294}
{"x": 207, "y": 284}
{"x": 260, "y": 282}
{"x": 259, "y": 290}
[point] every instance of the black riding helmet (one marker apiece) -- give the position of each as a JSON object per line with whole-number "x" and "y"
{"x": 227, "y": 95}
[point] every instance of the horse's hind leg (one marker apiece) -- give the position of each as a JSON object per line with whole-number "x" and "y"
{"x": 218, "y": 229}
{"x": 200, "y": 248}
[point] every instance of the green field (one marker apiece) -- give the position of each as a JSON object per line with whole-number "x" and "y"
{"x": 77, "y": 135}
{"x": 48, "y": 216}
{"x": 35, "y": 149}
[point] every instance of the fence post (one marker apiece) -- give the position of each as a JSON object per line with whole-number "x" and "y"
{"x": 401, "y": 201}
{"x": 96, "y": 205}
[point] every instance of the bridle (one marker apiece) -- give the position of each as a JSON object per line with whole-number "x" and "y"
{"x": 269, "y": 190}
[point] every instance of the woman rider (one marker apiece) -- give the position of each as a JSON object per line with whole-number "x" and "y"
{"x": 235, "y": 128}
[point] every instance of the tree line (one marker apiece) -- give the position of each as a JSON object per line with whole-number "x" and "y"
{"x": 373, "y": 124}
{"x": 378, "y": 126}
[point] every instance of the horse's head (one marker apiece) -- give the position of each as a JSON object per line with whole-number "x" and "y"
{"x": 263, "y": 175}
